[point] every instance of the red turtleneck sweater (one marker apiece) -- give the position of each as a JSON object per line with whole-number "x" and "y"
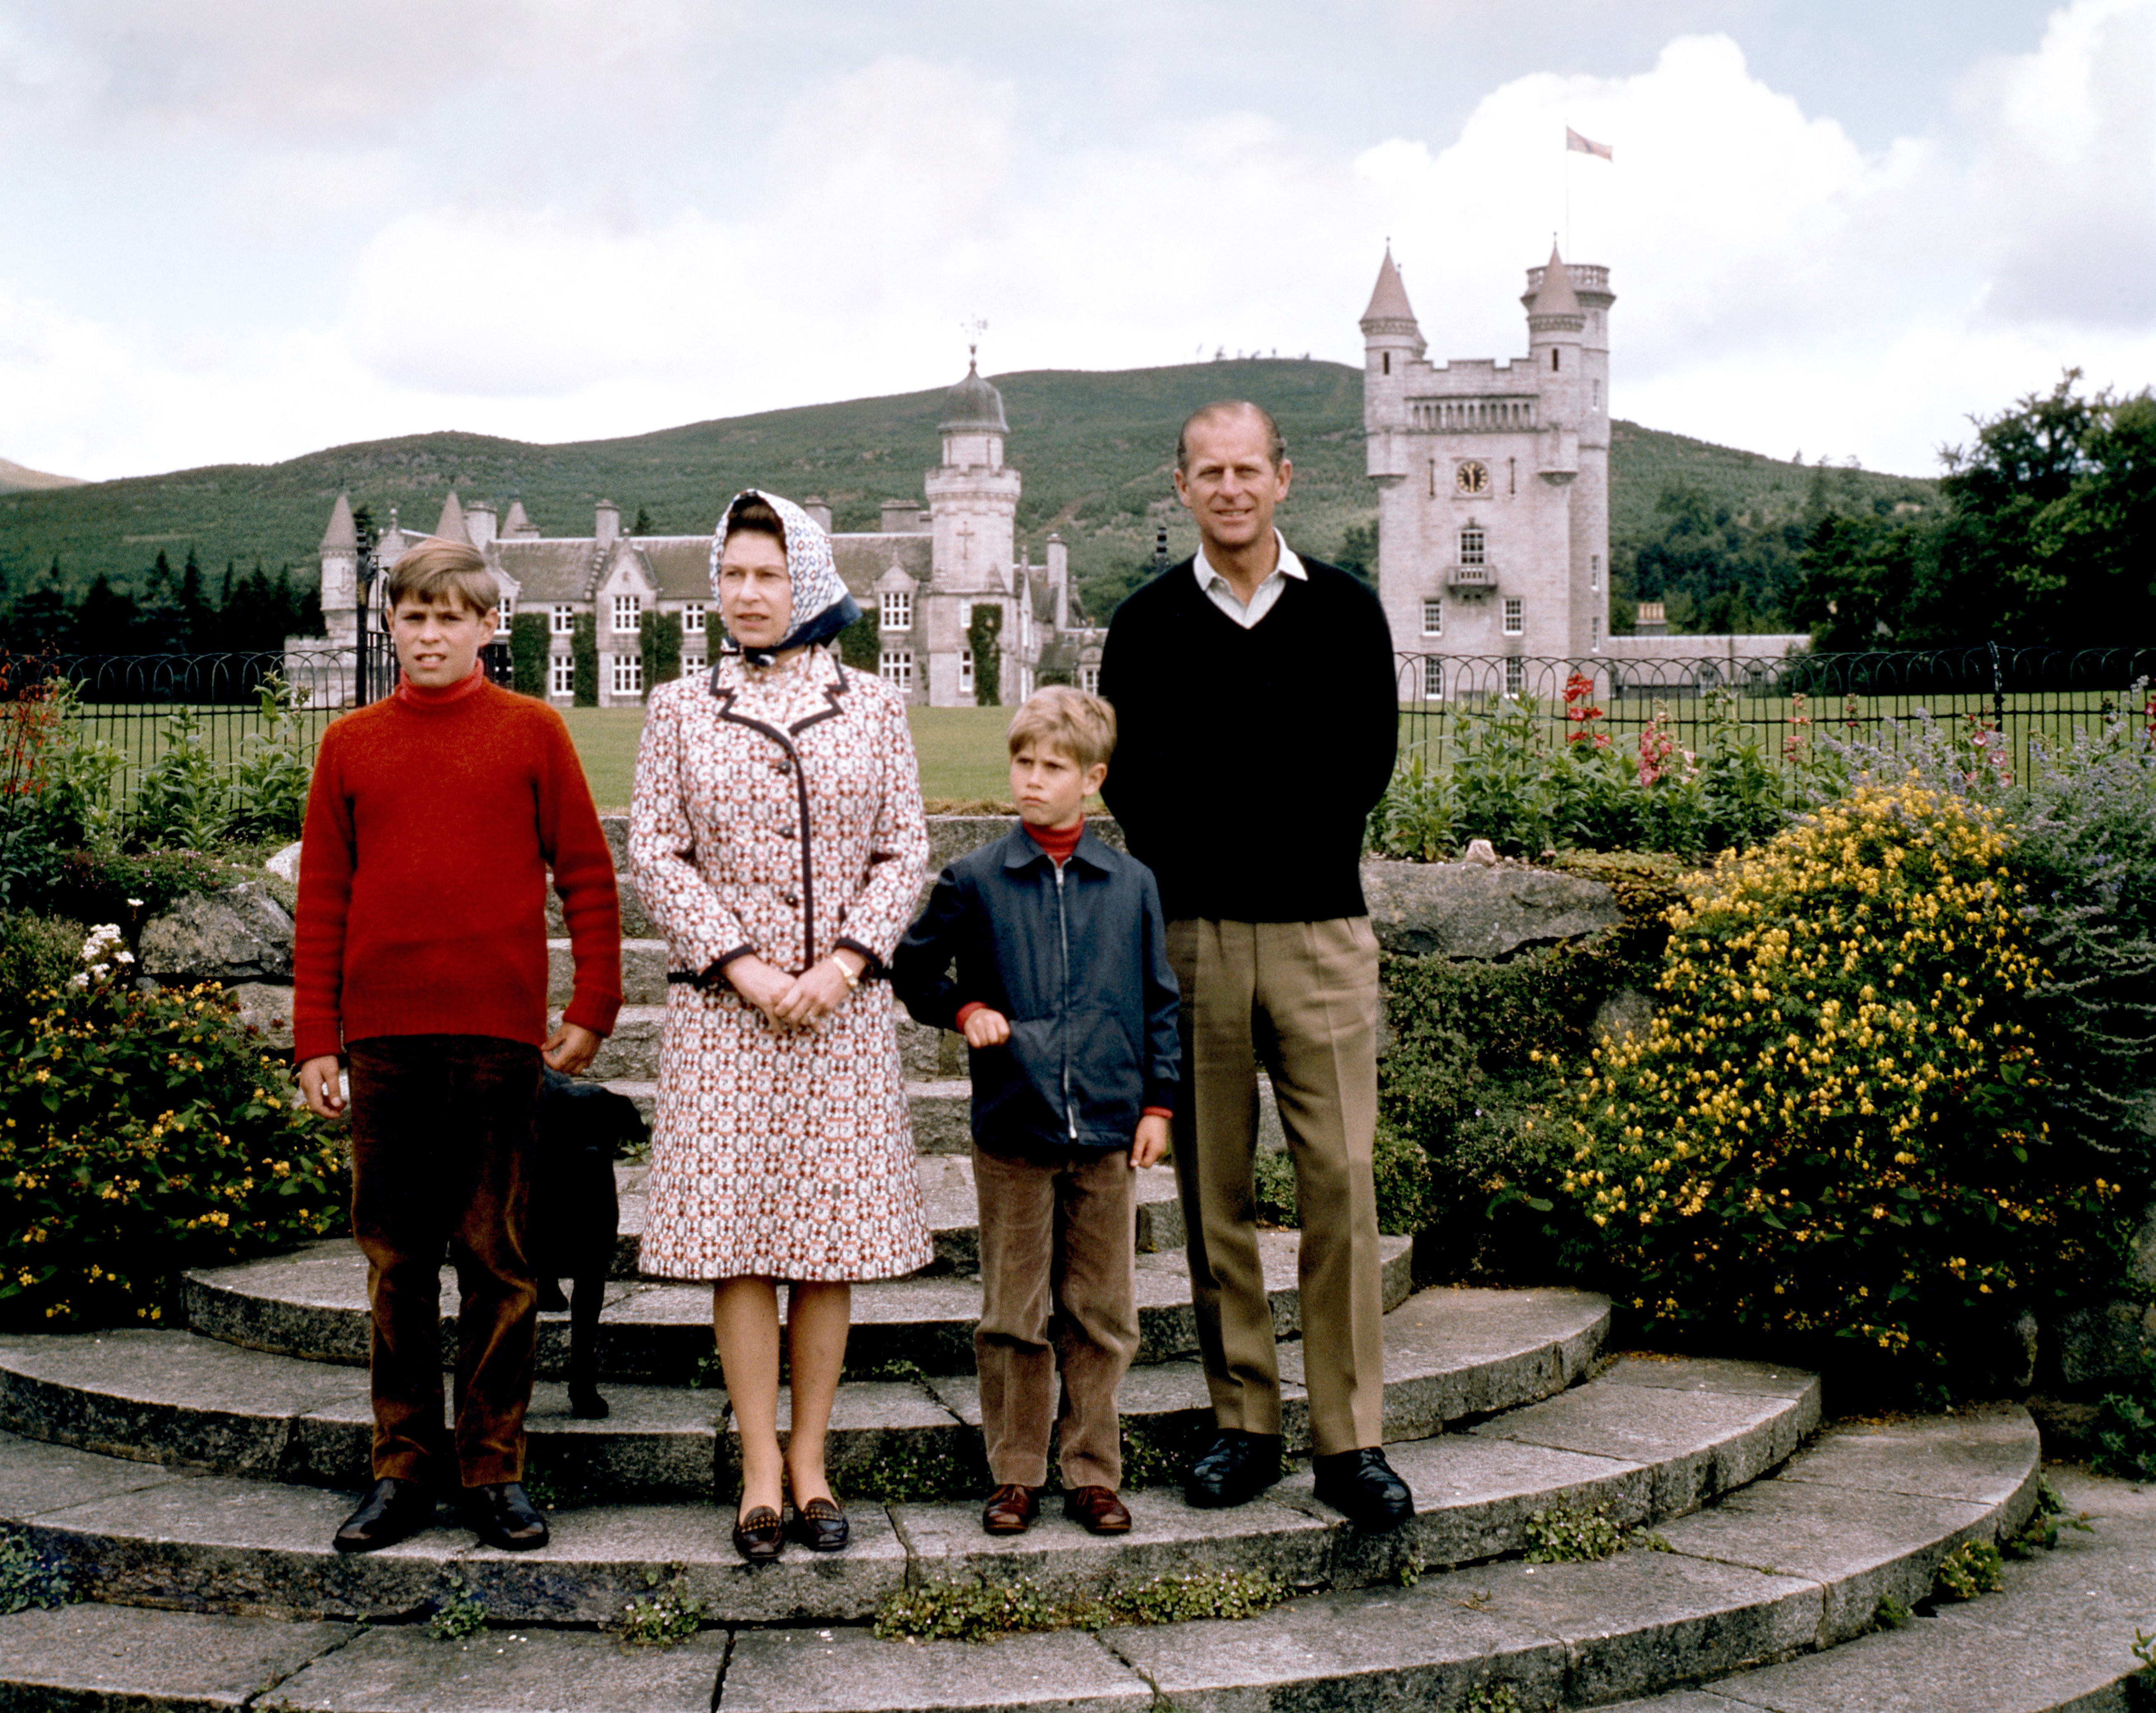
{"x": 434, "y": 818}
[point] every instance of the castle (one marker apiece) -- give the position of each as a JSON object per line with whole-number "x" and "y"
{"x": 922, "y": 577}
{"x": 1493, "y": 505}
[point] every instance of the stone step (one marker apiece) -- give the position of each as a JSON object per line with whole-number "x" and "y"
{"x": 947, "y": 1193}
{"x": 1654, "y": 1441}
{"x": 175, "y": 1397}
{"x": 311, "y": 1302}
{"x": 1792, "y": 1565}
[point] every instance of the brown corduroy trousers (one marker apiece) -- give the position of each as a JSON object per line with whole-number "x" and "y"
{"x": 441, "y": 1133}
{"x": 1301, "y": 999}
{"x": 1058, "y": 1291}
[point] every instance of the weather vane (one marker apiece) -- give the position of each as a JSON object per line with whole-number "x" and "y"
{"x": 974, "y": 329}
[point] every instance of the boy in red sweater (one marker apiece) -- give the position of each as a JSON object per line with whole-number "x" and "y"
{"x": 421, "y": 953}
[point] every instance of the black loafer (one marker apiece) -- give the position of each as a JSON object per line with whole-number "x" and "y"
{"x": 1363, "y": 1485}
{"x": 502, "y": 1517}
{"x": 1234, "y": 1470}
{"x": 758, "y": 1535}
{"x": 820, "y": 1525}
{"x": 395, "y": 1511}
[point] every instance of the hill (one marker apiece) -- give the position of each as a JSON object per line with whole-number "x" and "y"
{"x": 15, "y": 478}
{"x": 1095, "y": 449}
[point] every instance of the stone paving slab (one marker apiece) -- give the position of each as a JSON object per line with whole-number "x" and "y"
{"x": 1982, "y": 1461}
{"x": 110, "y": 1657}
{"x": 1732, "y": 1438}
{"x": 849, "y": 1671}
{"x": 404, "y": 1670}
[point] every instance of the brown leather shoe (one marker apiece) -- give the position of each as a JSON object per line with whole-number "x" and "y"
{"x": 1097, "y": 1510}
{"x": 1010, "y": 1508}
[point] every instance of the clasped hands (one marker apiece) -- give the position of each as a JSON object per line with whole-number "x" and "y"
{"x": 986, "y": 1027}
{"x": 796, "y": 1002}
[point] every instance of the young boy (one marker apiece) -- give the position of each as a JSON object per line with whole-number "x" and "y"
{"x": 1046, "y": 950}
{"x": 421, "y": 954}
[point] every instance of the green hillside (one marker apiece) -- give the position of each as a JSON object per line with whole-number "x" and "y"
{"x": 1095, "y": 450}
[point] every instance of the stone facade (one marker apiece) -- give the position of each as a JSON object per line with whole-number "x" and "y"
{"x": 921, "y": 575}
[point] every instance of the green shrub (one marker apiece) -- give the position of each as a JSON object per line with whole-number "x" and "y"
{"x": 665, "y": 1615}
{"x": 1833, "y": 1131}
{"x": 584, "y": 660}
{"x": 28, "y": 1578}
{"x": 1406, "y": 1197}
{"x": 983, "y": 634}
{"x": 1571, "y": 1534}
{"x": 659, "y": 642}
{"x": 1973, "y": 1567}
{"x": 531, "y": 641}
{"x": 2126, "y": 1426}
{"x": 37, "y": 954}
{"x": 142, "y": 1134}
{"x": 266, "y": 791}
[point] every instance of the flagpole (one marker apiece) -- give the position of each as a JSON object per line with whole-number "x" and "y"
{"x": 1568, "y": 197}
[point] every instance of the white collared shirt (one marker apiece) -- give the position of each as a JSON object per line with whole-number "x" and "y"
{"x": 1219, "y": 592}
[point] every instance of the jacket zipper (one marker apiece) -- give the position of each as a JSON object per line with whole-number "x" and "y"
{"x": 1063, "y": 934}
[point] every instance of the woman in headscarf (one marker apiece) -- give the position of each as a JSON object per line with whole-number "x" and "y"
{"x": 776, "y": 836}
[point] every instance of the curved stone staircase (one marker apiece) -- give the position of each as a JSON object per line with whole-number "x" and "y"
{"x": 185, "y": 1484}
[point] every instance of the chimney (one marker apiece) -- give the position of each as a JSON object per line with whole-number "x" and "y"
{"x": 820, "y": 514}
{"x": 1059, "y": 580}
{"x": 479, "y": 523}
{"x": 900, "y": 517}
{"x": 607, "y": 523}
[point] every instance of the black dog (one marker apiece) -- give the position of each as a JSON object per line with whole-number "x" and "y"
{"x": 575, "y": 1215}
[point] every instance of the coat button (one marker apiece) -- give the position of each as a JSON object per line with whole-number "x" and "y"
{"x": 792, "y": 900}
{"x": 781, "y": 766}
{"x": 788, "y": 831}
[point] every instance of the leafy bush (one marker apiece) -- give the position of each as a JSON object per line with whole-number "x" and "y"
{"x": 265, "y": 792}
{"x": 980, "y": 1612}
{"x": 1406, "y": 1200}
{"x": 179, "y": 804}
{"x": 140, "y": 1136}
{"x": 2126, "y": 1426}
{"x": 1973, "y": 1567}
{"x": 1833, "y": 1130}
{"x": 531, "y": 641}
{"x": 37, "y": 954}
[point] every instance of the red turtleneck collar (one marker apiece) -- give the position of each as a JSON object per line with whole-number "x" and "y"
{"x": 425, "y": 696}
{"x": 1059, "y": 842}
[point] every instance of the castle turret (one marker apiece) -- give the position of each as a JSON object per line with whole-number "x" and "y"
{"x": 1391, "y": 342}
{"x": 451, "y": 528}
{"x": 340, "y": 551}
{"x": 973, "y": 507}
{"x": 479, "y": 523}
{"x": 1555, "y": 325}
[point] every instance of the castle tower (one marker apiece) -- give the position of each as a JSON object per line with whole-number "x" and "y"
{"x": 972, "y": 505}
{"x": 340, "y": 551}
{"x": 1492, "y": 486}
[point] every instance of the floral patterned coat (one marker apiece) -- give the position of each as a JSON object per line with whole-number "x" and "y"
{"x": 778, "y": 810}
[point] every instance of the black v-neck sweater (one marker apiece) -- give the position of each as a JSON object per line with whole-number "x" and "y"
{"x": 1247, "y": 762}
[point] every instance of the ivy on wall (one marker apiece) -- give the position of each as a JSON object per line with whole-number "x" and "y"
{"x": 658, "y": 640}
{"x": 860, "y": 643}
{"x": 527, "y": 653}
{"x": 981, "y": 633}
{"x": 584, "y": 650}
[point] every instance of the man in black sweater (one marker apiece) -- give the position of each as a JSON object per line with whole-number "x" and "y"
{"x": 1255, "y": 694}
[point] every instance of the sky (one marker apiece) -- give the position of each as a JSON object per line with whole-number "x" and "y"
{"x": 239, "y": 230}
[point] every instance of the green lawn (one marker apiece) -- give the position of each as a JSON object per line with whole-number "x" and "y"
{"x": 961, "y": 752}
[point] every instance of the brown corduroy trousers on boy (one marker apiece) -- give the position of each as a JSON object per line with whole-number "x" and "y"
{"x": 441, "y": 1132}
{"x": 1059, "y": 1290}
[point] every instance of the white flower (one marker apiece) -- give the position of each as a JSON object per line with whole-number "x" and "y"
{"x": 78, "y": 981}
{"x": 123, "y": 957}
{"x": 134, "y": 904}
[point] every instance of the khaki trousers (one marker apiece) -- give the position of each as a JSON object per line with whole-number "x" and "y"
{"x": 1059, "y": 1290}
{"x": 1301, "y": 999}
{"x": 441, "y": 1132}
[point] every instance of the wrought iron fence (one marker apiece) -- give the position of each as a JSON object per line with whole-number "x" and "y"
{"x": 1785, "y": 700}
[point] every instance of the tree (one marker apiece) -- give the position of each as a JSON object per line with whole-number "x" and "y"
{"x": 983, "y": 634}
{"x": 196, "y": 620}
{"x": 104, "y": 622}
{"x": 1359, "y": 552}
{"x": 643, "y": 525}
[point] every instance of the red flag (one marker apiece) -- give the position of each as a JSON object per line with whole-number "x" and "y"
{"x": 1575, "y": 141}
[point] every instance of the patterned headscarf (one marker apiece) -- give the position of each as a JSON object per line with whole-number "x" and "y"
{"x": 822, "y": 607}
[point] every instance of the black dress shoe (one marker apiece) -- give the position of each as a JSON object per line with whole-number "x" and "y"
{"x": 394, "y": 1511}
{"x": 758, "y": 1535}
{"x": 1363, "y": 1484}
{"x": 502, "y": 1517}
{"x": 1234, "y": 1470}
{"x": 820, "y": 1525}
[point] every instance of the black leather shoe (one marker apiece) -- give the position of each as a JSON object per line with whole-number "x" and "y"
{"x": 1363, "y": 1484}
{"x": 1234, "y": 1470}
{"x": 394, "y": 1511}
{"x": 820, "y": 1525}
{"x": 758, "y": 1535}
{"x": 502, "y": 1517}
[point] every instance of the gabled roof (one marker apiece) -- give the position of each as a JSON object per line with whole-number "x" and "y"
{"x": 452, "y": 528}
{"x": 343, "y": 536}
{"x": 864, "y": 559}
{"x": 1389, "y": 299}
{"x": 681, "y": 566}
{"x": 549, "y": 571}
{"x": 1555, "y": 296}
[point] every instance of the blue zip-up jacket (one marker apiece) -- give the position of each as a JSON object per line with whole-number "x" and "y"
{"x": 1077, "y": 960}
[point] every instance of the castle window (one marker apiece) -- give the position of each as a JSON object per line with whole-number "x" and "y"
{"x": 505, "y": 609}
{"x": 1433, "y": 618}
{"x": 965, "y": 672}
{"x": 1470, "y": 545}
{"x": 1433, "y": 679}
{"x": 562, "y": 675}
{"x": 1512, "y": 475}
{"x": 1594, "y": 573}
{"x": 897, "y": 669}
{"x": 628, "y": 609}
{"x": 692, "y": 620}
{"x": 1516, "y": 676}
{"x": 693, "y": 665}
{"x": 564, "y": 616}
{"x": 1553, "y": 357}
{"x": 897, "y": 613}
{"x": 1089, "y": 679}
{"x": 1514, "y": 618}
{"x": 1597, "y": 395}
{"x": 1388, "y": 362}
{"x": 627, "y": 675}
{"x": 1433, "y": 479}
{"x": 1594, "y": 632}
